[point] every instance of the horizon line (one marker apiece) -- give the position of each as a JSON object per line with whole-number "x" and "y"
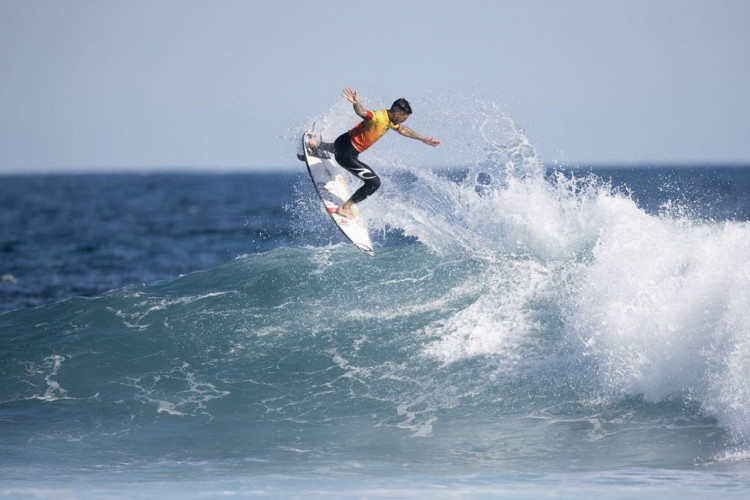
{"x": 286, "y": 169}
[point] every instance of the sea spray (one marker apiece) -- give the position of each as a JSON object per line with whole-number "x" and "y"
{"x": 658, "y": 309}
{"x": 649, "y": 302}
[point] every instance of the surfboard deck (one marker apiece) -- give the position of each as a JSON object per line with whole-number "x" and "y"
{"x": 330, "y": 181}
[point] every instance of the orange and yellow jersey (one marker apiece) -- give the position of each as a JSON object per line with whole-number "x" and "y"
{"x": 372, "y": 128}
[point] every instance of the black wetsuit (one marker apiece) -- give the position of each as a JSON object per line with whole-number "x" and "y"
{"x": 348, "y": 157}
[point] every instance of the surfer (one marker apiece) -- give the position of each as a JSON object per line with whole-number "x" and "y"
{"x": 347, "y": 147}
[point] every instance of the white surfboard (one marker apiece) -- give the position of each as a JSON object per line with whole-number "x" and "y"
{"x": 332, "y": 183}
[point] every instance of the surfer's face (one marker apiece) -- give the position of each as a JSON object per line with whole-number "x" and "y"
{"x": 398, "y": 117}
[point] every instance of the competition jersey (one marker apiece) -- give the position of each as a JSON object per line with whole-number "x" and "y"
{"x": 372, "y": 128}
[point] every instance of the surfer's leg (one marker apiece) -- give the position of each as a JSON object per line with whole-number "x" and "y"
{"x": 348, "y": 157}
{"x": 370, "y": 178}
{"x": 316, "y": 143}
{"x": 319, "y": 148}
{"x": 364, "y": 172}
{"x": 327, "y": 147}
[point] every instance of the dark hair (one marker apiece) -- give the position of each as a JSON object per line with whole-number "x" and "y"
{"x": 401, "y": 105}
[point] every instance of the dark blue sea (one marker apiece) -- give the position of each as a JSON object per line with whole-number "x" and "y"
{"x": 523, "y": 331}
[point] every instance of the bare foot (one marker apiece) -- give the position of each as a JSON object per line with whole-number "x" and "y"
{"x": 344, "y": 212}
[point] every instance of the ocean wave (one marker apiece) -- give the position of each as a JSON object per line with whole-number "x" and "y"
{"x": 530, "y": 304}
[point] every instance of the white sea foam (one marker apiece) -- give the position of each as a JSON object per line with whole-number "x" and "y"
{"x": 497, "y": 322}
{"x": 662, "y": 309}
{"x": 659, "y": 303}
{"x": 50, "y": 369}
{"x": 176, "y": 392}
{"x": 656, "y": 304}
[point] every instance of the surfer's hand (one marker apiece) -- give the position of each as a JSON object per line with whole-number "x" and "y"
{"x": 431, "y": 141}
{"x": 351, "y": 95}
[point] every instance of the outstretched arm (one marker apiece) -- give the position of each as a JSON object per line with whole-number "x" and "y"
{"x": 351, "y": 96}
{"x": 411, "y": 134}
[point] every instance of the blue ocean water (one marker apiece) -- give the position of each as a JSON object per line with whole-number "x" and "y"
{"x": 523, "y": 331}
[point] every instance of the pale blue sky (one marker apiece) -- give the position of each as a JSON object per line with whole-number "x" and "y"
{"x": 145, "y": 84}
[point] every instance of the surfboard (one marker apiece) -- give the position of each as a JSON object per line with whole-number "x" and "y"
{"x": 331, "y": 182}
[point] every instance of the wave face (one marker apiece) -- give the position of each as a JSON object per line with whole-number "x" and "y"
{"x": 303, "y": 356}
{"x": 524, "y": 320}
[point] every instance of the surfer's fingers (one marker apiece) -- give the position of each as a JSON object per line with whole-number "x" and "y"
{"x": 350, "y": 95}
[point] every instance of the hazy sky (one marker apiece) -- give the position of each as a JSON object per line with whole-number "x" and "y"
{"x": 101, "y": 85}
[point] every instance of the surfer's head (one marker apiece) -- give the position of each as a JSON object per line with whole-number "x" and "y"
{"x": 400, "y": 111}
